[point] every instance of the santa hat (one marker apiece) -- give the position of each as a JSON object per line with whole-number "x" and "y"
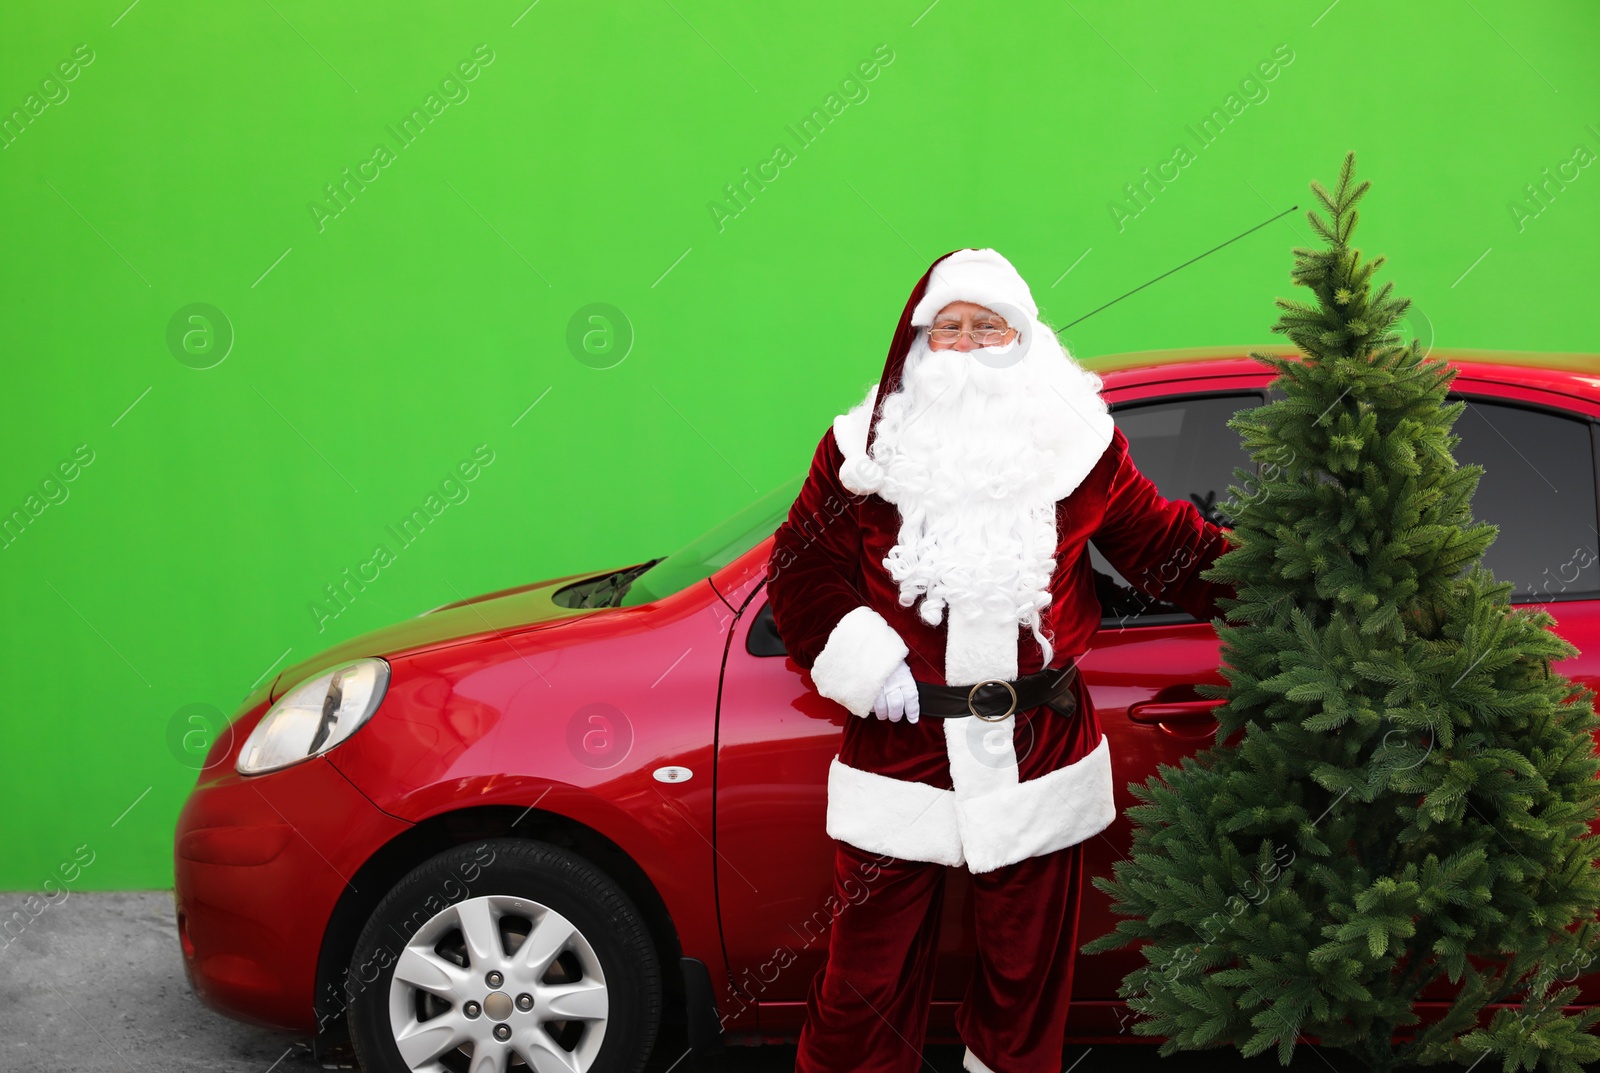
{"x": 980, "y": 276}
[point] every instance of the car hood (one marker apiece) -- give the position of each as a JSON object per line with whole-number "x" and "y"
{"x": 514, "y": 610}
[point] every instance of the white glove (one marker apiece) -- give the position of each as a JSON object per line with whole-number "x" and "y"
{"x": 898, "y": 696}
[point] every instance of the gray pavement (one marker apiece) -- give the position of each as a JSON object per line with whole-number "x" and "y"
{"x": 96, "y": 983}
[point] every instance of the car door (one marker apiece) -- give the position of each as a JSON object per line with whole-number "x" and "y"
{"x": 1147, "y": 657}
{"x": 1541, "y": 459}
{"x": 775, "y": 739}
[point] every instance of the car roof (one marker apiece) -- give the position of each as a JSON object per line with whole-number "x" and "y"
{"x": 1569, "y": 373}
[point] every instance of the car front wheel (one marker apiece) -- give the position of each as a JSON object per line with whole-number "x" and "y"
{"x": 504, "y": 954}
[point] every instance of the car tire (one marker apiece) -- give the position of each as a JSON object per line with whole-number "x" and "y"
{"x": 467, "y": 965}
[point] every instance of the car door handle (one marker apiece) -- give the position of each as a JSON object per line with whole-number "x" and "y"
{"x": 1178, "y": 713}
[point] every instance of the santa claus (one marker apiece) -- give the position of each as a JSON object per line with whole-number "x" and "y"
{"x": 932, "y": 578}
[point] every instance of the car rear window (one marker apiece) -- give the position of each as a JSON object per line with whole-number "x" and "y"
{"x": 1538, "y": 486}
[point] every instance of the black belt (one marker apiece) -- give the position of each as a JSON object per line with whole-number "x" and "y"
{"x": 995, "y": 698}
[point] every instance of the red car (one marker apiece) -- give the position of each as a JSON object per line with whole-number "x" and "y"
{"x": 527, "y": 828}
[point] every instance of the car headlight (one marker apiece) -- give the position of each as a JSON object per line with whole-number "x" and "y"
{"x": 315, "y": 716}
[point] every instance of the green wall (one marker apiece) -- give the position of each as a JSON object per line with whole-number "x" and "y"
{"x": 580, "y": 151}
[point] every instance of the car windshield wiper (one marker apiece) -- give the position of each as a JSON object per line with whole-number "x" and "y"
{"x": 608, "y": 591}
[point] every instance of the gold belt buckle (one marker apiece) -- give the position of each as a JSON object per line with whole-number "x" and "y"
{"x": 992, "y": 718}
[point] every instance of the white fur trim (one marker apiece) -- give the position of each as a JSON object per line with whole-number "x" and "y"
{"x": 980, "y": 276}
{"x": 975, "y": 649}
{"x": 850, "y": 427}
{"x": 858, "y": 473}
{"x": 989, "y": 820}
{"x": 1058, "y": 809}
{"x": 911, "y": 820}
{"x": 970, "y": 1061}
{"x": 1097, "y": 428}
{"x": 861, "y": 652}
{"x": 982, "y": 755}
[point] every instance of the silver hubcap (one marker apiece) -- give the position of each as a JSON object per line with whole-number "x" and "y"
{"x": 497, "y": 983}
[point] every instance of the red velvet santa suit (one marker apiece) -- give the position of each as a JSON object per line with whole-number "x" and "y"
{"x": 1010, "y": 800}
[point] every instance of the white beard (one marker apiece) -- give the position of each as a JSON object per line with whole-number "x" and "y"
{"x": 976, "y": 458}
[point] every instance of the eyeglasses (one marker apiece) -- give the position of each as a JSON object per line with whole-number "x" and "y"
{"x": 980, "y": 336}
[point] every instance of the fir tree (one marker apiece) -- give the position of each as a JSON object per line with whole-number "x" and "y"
{"x": 1401, "y": 791}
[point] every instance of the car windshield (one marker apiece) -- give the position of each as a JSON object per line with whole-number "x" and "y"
{"x": 707, "y": 554}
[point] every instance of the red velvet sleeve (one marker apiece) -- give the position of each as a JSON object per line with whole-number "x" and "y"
{"x": 814, "y": 573}
{"x": 1159, "y": 545}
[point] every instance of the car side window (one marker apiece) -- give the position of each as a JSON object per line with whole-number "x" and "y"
{"x": 763, "y": 639}
{"x": 1184, "y": 445}
{"x": 1538, "y": 486}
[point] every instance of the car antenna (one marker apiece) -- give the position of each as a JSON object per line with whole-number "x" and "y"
{"x": 1169, "y": 271}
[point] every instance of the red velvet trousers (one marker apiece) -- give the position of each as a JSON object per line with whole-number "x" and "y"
{"x": 867, "y": 1009}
